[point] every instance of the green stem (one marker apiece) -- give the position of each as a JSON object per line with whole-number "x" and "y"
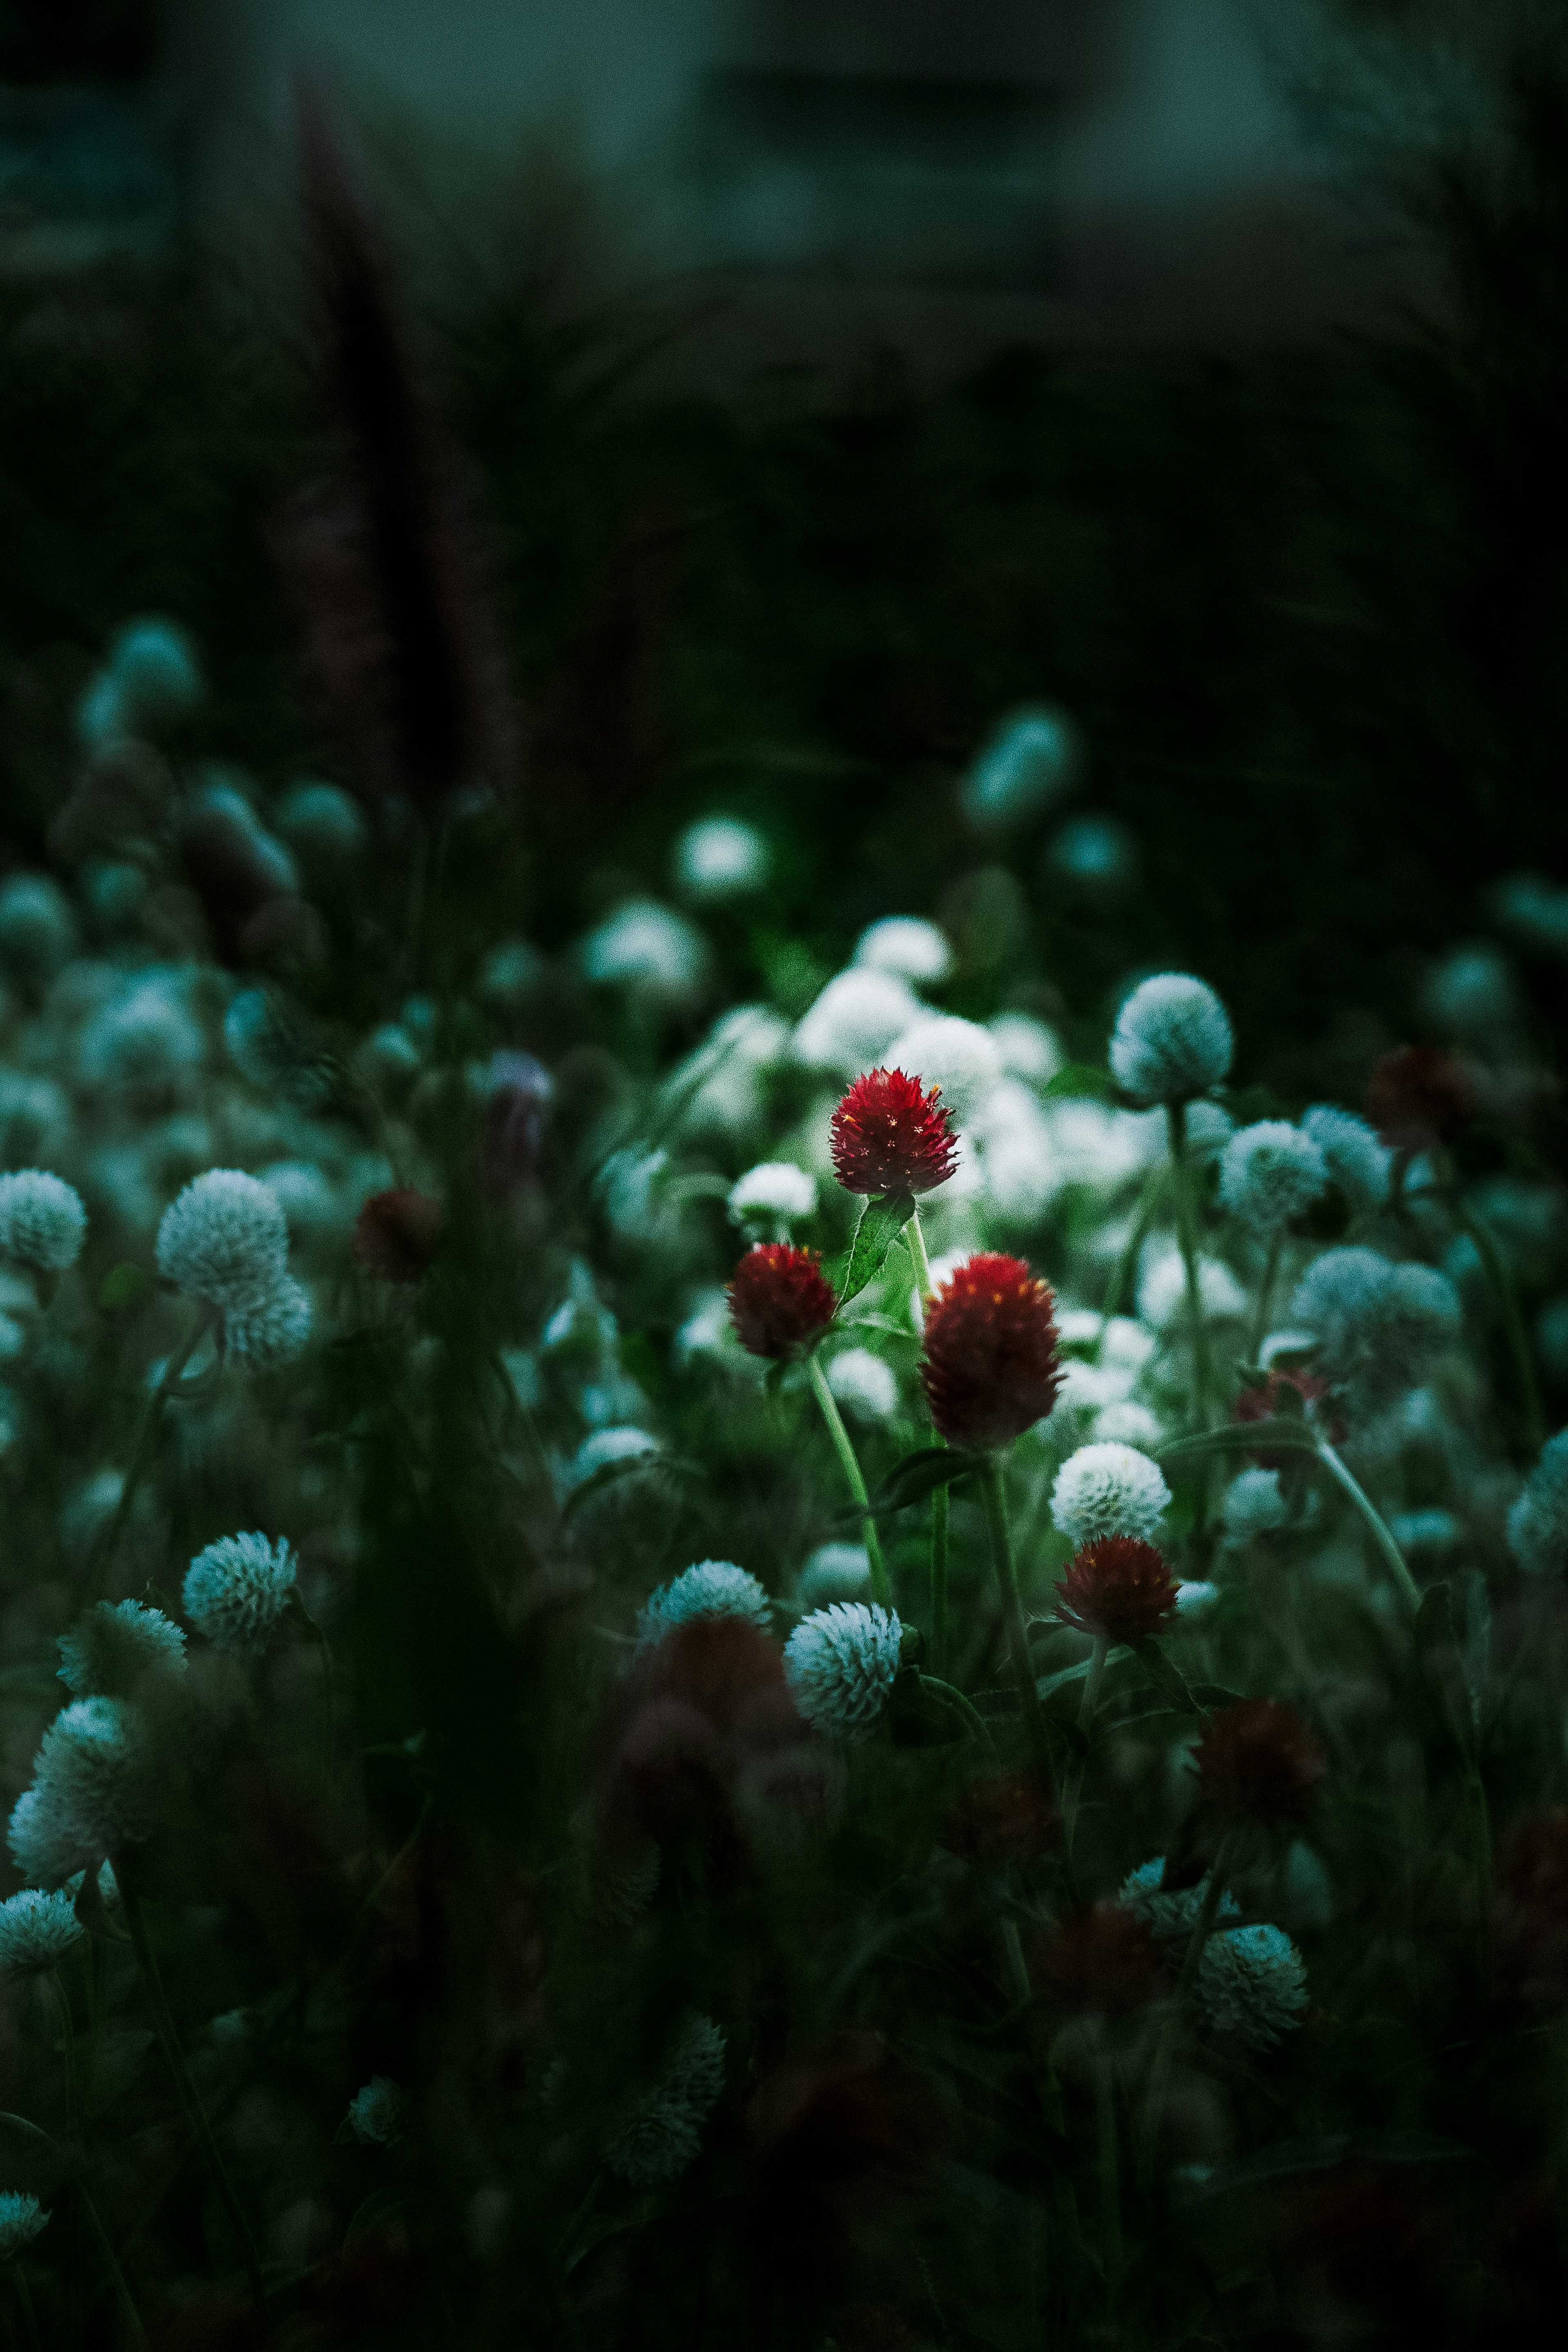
{"x": 995, "y": 1506}
{"x": 134, "y": 2330}
{"x": 1087, "y": 1705}
{"x": 1126, "y": 1266}
{"x": 1016, "y": 1967}
{"x": 1476, "y": 1788}
{"x": 190, "y": 2097}
{"x": 1159, "y": 2071}
{"x": 960, "y": 1706}
{"x": 1377, "y": 1526}
{"x": 1186, "y": 1235}
{"x": 914, "y": 1234}
{"x": 1260, "y": 1331}
{"x": 73, "y": 2116}
{"x": 1501, "y": 1285}
{"x": 25, "y": 2298}
{"x": 107, "y": 1543}
{"x": 1110, "y": 2172}
{"x": 881, "y": 1591}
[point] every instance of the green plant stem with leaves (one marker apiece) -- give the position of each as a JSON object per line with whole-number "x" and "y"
{"x": 1089, "y": 1701}
{"x": 881, "y": 1590}
{"x": 1186, "y": 1235}
{"x": 995, "y": 1502}
{"x": 103, "y": 1554}
{"x": 1259, "y": 1330}
{"x": 1124, "y": 1272}
{"x": 1300, "y": 1436}
{"x": 1159, "y": 2073}
{"x": 938, "y": 1537}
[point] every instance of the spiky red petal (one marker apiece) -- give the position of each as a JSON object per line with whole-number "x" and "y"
{"x": 779, "y": 1299}
{"x": 990, "y": 1369}
{"x": 891, "y": 1136}
{"x": 1118, "y": 1589}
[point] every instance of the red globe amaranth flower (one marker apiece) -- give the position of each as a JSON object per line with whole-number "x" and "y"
{"x": 1263, "y": 1404}
{"x": 1103, "y": 1962}
{"x": 1258, "y": 1758}
{"x": 1007, "y": 1816}
{"x": 990, "y": 1369}
{"x": 891, "y": 1136}
{"x": 779, "y": 1299}
{"x": 1530, "y": 1914}
{"x": 1419, "y": 1095}
{"x": 397, "y": 1233}
{"x": 1118, "y": 1589}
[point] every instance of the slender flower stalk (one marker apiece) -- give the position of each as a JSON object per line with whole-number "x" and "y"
{"x": 103, "y": 1554}
{"x": 1123, "y": 1274}
{"x": 1260, "y": 1330}
{"x": 939, "y": 1627}
{"x": 1159, "y": 2073}
{"x": 881, "y": 1591}
{"x": 76, "y": 2140}
{"x": 995, "y": 1506}
{"x": 1110, "y": 2172}
{"x": 1376, "y": 1524}
{"x": 1087, "y": 1706}
{"x": 1186, "y": 1235}
{"x": 1500, "y": 1284}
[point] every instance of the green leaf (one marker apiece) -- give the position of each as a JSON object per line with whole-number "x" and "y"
{"x": 1168, "y": 1680}
{"x": 919, "y": 1474}
{"x": 920, "y": 1717}
{"x": 1239, "y": 1437}
{"x": 123, "y": 1287}
{"x": 382, "y": 2207}
{"x": 881, "y": 1221}
{"x": 1082, "y": 1078}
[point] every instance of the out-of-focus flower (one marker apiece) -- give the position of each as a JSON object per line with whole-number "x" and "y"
{"x": 1252, "y": 1982}
{"x": 1530, "y": 1917}
{"x": 1172, "y": 1040}
{"x": 21, "y": 2218}
{"x": 115, "y": 1644}
{"x": 42, "y": 1221}
{"x": 863, "y": 1384}
{"x": 375, "y": 2113}
{"x": 1418, "y": 1096}
{"x": 1378, "y": 1326}
{"x": 151, "y": 678}
{"x": 38, "y": 1929}
{"x": 648, "y": 949}
{"x": 714, "y": 1588}
{"x": 1174, "y": 1913}
{"x": 1103, "y": 1962}
{"x": 89, "y": 1793}
{"x": 1097, "y": 853}
{"x": 959, "y": 1058}
{"x": 518, "y": 1094}
{"x": 1357, "y": 1162}
{"x": 840, "y": 1664}
{"x": 237, "y": 1591}
{"x": 779, "y": 1300}
{"x": 909, "y": 946}
{"x": 1269, "y": 1173}
{"x": 1029, "y": 1049}
{"x": 268, "y": 1044}
{"x": 324, "y": 825}
{"x": 990, "y": 1369}
{"x": 1257, "y": 1760}
{"x": 889, "y": 1134}
{"x": 1538, "y": 1523}
{"x": 1107, "y": 1490}
{"x": 397, "y": 1233}
{"x": 275, "y": 1331}
{"x": 854, "y": 1021}
{"x": 144, "y": 1038}
{"x": 658, "y": 2137}
{"x": 776, "y": 1189}
{"x": 1117, "y": 1588}
{"x": 1028, "y": 762}
{"x": 1254, "y": 1507}
{"x": 225, "y": 1239}
{"x": 38, "y": 930}
{"x": 1472, "y": 993}
{"x": 1005, "y": 1816}
{"x": 1534, "y": 910}
{"x": 1162, "y": 1290}
{"x": 834, "y": 1572}
{"x": 720, "y": 858}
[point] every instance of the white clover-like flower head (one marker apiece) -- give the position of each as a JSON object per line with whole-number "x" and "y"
{"x": 834, "y": 1572}
{"x": 1029, "y": 1049}
{"x": 649, "y": 949}
{"x": 274, "y": 1331}
{"x": 237, "y": 1591}
{"x": 145, "y": 1036}
{"x": 1356, "y": 1161}
{"x": 1172, "y": 1040}
{"x": 909, "y": 946}
{"x": 863, "y": 1384}
{"x": 375, "y": 2113}
{"x": 626, "y": 1443}
{"x": 323, "y": 822}
{"x": 1175, "y": 1914}
{"x": 1162, "y": 1290}
{"x": 840, "y": 1663}
{"x": 38, "y": 930}
{"x": 1252, "y": 1982}
{"x": 714, "y": 1588}
{"x": 1472, "y": 993}
{"x": 42, "y": 1221}
{"x": 854, "y": 1021}
{"x": 721, "y": 858}
{"x": 21, "y": 2218}
{"x": 1209, "y": 1129}
{"x": 114, "y": 1645}
{"x": 1097, "y": 852}
{"x": 154, "y": 664}
{"x": 1107, "y": 1489}
{"x": 1270, "y": 1172}
{"x": 659, "y": 2136}
{"x": 776, "y": 1191}
{"x": 1538, "y": 1523}
{"x": 88, "y": 1795}
{"x": 38, "y": 1929}
{"x": 225, "y": 1239}
{"x": 959, "y": 1056}
{"x": 1379, "y": 1327}
{"x": 1028, "y": 762}
{"x": 1253, "y": 1505}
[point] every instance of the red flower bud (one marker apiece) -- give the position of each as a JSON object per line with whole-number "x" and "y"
{"x": 1118, "y": 1589}
{"x": 1102, "y": 1962}
{"x": 1419, "y": 1095}
{"x": 1258, "y": 1758}
{"x": 891, "y": 1136}
{"x": 397, "y": 1233}
{"x": 778, "y": 1298}
{"x": 990, "y": 1369}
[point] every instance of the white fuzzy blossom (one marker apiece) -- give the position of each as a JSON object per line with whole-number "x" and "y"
{"x": 1029, "y": 1049}
{"x": 854, "y": 1021}
{"x": 1107, "y": 1489}
{"x": 649, "y": 949}
{"x": 834, "y": 1572}
{"x": 776, "y": 1190}
{"x": 1027, "y": 764}
{"x": 721, "y": 858}
{"x": 908, "y": 945}
{"x": 840, "y": 1663}
{"x": 1162, "y": 1290}
{"x": 863, "y": 1384}
{"x": 1172, "y": 1040}
{"x": 1175, "y": 1914}
{"x": 237, "y": 1591}
{"x": 658, "y": 2137}
{"x": 1253, "y": 1505}
{"x": 42, "y": 1221}
{"x": 88, "y": 1795}
{"x": 225, "y": 1239}
{"x": 38, "y": 1929}
{"x": 1538, "y": 1523}
{"x": 325, "y": 824}
{"x": 275, "y": 1331}
{"x": 21, "y": 2218}
{"x": 1357, "y": 1162}
{"x": 714, "y": 1588}
{"x": 959, "y": 1056}
{"x": 1378, "y": 1326}
{"x": 625, "y": 1443}
{"x": 114, "y": 1645}
{"x": 38, "y": 930}
{"x": 144, "y": 1037}
{"x": 375, "y": 2113}
{"x": 1270, "y": 1172}
{"x": 1252, "y": 1982}
{"x": 1209, "y": 1129}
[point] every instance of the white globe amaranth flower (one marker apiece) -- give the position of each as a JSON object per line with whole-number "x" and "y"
{"x": 1472, "y": 993}
{"x": 1428, "y": 1531}
{"x": 1357, "y": 1161}
{"x": 1209, "y": 1129}
{"x": 1029, "y": 1049}
{"x": 225, "y": 1239}
{"x": 322, "y": 823}
{"x": 274, "y": 1331}
{"x": 237, "y": 1591}
{"x": 1254, "y": 1507}
{"x": 854, "y": 1021}
{"x": 909, "y": 946}
{"x": 1172, "y": 1040}
{"x": 88, "y": 1795}
{"x": 1097, "y": 852}
{"x": 840, "y": 1663}
{"x": 658, "y": 2137}
{"x": 38, "y": 1929}
{"x": 628, "y": 1443}
{"x": 775, "y": 1189}
{"x": 648, "y": 949}
{"x": 375, "y": 2113}
{"x": 1126, "y": 1422}
{"x": 834, "y": 1572}
{"x": 38, "y": 930}
{"x": 114, "y": 1645}
{"x": 1378, "y": 1326}
{"x": 722, "y": 857}
{"x": 863, "y": 1384}
{"x": 1269, "y": 1173}
{"x": 1196, "y": 1597}
{"x": 42, "y": 1221}
{"x": 1028, "y": 762}
{"x": 1162, "y": 1290}
{"x": 1107, "y": 1489}
{"x": 1172, "y": 1915}
{"x": 21, "y": 2218}
{"x": 959, "y": 1056}
{"x": 714, "y": 1588}
{"x": 1252, "y": 1982}
{"x": 145, "y": 1036}
{"x": 1538, "y": 1523}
